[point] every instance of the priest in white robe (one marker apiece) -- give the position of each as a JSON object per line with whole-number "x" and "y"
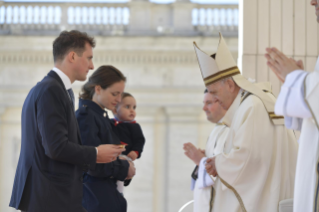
{"x": 202, "y": 182}
{"x": 298, "y": 101}
{"x": 257, "y": 167}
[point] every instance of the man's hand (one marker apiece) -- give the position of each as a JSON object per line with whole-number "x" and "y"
{"x": 210, "y": 166}
{"x": 132, "y": 155}
{"x": 280, "y": 64}
{"x": 193, "y": 153}
{"x": 131, "y": 170}
{"x": 107, "y": 153}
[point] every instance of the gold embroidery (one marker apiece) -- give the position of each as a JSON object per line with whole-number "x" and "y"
{"x": 221, "y": 124}
{"x": 221, "y": 75}
{"x": 212, "y": 197}
{"x": 266, "y": 91}
{"x": 241, "y": 203}
{"x": 272, "y": 115}
{"x": 313, "y": 116}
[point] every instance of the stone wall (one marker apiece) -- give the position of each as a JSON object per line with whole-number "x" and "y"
{"x": 164, "y": 77}
{"x": 288, "y": 25}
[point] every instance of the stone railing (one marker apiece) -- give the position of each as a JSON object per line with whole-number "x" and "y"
{"x": 139, "y": 18}
{"x": 217, "y": 18}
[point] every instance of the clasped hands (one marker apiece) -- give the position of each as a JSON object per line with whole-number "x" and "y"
{"x": 193, "y": 153}
{"x": 196, "y": 155}
{"x": 280, "y": 64}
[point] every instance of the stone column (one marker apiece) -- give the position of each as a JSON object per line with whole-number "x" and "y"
{"x": 160, "y": 179}
{"x": 148, "y": 190}
{"x": 2, "y": 110}
{"x": 183, "y": 127}
{"x": 10, "y": 143}
{"x": 288, "y": 25}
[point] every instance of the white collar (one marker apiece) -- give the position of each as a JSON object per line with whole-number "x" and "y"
{"x": 65, "y": 79}
{"x": 220, "y": 121}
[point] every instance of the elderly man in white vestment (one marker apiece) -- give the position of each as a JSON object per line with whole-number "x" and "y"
{"x": 202, "y": 184}
{"x": 298, "y": 101}
{"x": 257, "y": 167}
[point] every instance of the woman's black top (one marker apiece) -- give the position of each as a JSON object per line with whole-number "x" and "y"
{"x": 99, "y": 185}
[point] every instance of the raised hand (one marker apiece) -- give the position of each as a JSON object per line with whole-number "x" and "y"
{"x": 280, "y": 64}
{"x": 108, "y": 153}
{"x": 193, "y": 153}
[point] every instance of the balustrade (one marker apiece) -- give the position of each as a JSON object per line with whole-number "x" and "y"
{"x": 114, "y": 18}
{"x": 215, "y": 18}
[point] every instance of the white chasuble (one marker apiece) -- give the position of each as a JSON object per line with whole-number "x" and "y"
{"x": 203, "y": 184}
{"x": 257, "y": 167}
{"x": 298, "y": 101}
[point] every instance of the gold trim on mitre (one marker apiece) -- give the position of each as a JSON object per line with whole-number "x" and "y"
{"x": 218, "y": 66}
{"x": 221, "y": 75}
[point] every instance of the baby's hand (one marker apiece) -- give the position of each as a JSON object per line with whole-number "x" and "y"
{"x": 132, "y": 155}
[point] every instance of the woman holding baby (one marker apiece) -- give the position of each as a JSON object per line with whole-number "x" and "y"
{"x": 102, "y": 91}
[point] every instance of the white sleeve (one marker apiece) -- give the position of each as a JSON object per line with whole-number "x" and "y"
{"x": 193, "y": 184}
{"x": 293, "y": 123}
{"x": 290, "y": 101}
{"x": 203, "y": 180}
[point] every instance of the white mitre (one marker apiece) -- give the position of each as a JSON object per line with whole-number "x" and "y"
{"x": 222, "y": 65}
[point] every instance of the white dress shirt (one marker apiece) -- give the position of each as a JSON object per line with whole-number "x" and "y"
{"x": 65, "y": 79}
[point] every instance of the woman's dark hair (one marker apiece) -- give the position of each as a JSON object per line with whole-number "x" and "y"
{"x": 104, "y": 76}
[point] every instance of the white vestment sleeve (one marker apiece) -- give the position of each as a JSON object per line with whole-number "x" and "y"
{"x": 293, "y": 123}
{"x": 203, "y": 180}
{"x": 193, "y": 184}
{"x": 290, "y": 102}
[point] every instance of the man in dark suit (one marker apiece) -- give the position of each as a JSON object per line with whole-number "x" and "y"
{"x": 52, "y": 159}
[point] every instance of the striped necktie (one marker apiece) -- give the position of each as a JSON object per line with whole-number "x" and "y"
{"x": 70, "y": 91}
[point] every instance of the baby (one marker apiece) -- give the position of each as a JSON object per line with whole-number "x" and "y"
{"x": 127, "y": 130}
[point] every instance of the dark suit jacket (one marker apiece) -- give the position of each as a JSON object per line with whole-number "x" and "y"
{"x": 49, "y": 172}
{"x": 99, "y": 186}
